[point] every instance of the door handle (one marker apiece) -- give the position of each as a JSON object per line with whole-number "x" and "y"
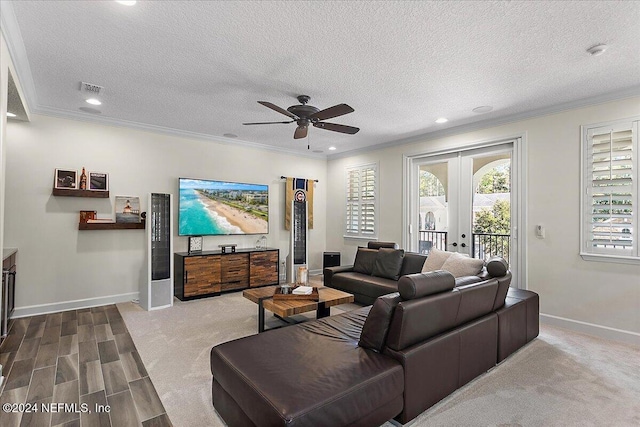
{"x": 454, "y": 244}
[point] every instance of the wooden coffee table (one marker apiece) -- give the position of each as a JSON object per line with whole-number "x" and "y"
{"x": 284, "y": 309}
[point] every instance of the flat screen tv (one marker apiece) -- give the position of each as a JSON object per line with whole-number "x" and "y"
{"x": 211, "y": 208}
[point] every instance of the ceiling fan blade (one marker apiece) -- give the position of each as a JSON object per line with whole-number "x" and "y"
{"x": 278, "y": 109}
{"x": 301, "y": 132}
{"x": 267, "y": 123}
{"x": 331, "y": 112}
{"x": 337, "y": 128}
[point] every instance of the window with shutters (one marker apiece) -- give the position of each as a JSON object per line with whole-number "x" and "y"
{"x": 361, "y": 204}
{"x": 610, "y": 193}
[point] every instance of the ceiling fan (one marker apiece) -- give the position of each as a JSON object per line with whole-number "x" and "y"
{"x": 305, "y": 115}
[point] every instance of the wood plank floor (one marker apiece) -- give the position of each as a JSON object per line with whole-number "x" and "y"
{"x": 83, "y": 358}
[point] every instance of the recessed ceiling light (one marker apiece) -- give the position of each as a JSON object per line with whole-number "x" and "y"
{"x": 94, "y": 101}
{"x": 483, "y": 109}
{"x": 332, "y": 148}
{"x": 442, "y": 120}
{"x": 126, "y": 2}
{"x": 230, "y": 135}
{"x": 597, "y": 49}
{"x": 10, "y": 114}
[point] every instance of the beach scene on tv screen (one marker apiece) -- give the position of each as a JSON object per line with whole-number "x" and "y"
{"x": 219, "y": 207}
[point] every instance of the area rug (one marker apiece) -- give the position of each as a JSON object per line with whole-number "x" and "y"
{"x": 560, "y": 379}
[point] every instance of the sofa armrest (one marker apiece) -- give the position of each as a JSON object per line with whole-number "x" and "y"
{"x": 328, "y": 272}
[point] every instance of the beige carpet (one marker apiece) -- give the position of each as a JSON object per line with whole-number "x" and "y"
{"x": 560, "y": 379}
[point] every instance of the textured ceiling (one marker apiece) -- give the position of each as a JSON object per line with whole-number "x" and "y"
{"x": 200, "y": 67}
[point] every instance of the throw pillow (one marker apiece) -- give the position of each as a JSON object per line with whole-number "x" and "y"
{"x": 388, "y": 263}
{"x": 435, "y": 260}
{"x": 460, "y": 265}
{"x": 365, "y": 260}
{"x": 376, "y": 326}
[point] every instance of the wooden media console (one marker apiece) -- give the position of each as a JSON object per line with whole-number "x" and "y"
{"x": 209, "y": 273}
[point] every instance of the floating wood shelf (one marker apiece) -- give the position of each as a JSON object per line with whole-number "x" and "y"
{"x": 112, "y": 225}
{"x": 70, "y": 192}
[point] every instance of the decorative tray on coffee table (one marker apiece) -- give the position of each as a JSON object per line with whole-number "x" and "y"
{"x": 279, "y": 296}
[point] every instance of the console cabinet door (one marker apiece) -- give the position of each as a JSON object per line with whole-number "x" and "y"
{"x": 235, "y": 271}
{"x": 202, "y": 275}
{"x": 264, "y": 268}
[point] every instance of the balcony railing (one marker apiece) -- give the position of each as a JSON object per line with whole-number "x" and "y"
{"x": 430, "y": 239}
{"x": 483, "y": 246}
{"x": 487, "y": 245}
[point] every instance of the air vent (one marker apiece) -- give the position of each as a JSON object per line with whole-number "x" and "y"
{"x": 91, "y": 89}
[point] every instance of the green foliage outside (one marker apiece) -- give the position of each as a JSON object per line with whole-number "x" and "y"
{"x": 497, "y": 180}
{"x": 495, "y": 220}
{"x": 430, "y": 185}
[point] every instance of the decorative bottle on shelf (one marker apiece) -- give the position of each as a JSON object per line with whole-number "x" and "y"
{"x": 83, "y": 180}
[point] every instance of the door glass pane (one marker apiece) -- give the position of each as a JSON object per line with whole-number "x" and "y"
{"x": 433, "y": 215}
{"x": 491, "y": 206}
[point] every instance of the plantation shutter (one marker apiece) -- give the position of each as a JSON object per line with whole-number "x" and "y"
{"x": 361, "y": 201}
{"x": 611, "y": 204}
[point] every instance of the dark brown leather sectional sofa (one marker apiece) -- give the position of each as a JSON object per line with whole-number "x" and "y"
{"x": 366, "y": 287}
{"x": 394, "y": 359}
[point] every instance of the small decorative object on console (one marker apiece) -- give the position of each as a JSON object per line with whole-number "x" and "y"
{"x": 228, "y": 245}
{"x": 195, "y": 244}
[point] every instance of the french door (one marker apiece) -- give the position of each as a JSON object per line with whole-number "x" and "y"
{"x": 465, "y": 201}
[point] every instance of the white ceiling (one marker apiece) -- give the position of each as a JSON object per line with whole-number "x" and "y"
{"x": 200, "y": 67}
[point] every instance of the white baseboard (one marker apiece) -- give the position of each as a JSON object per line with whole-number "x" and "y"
{"x": 315, "y": 272}
{"x": 600, "y": 331}
{"x": 33, "y": 310}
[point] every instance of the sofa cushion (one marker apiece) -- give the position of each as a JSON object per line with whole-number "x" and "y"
{"x": 374, "y": 331}
{"x": 388, "y": 263}
{"x": 358, "y": 283}
{"x": 435, "y": 260}
{"x": 460, "y": 265}
{"x": 423, "y": 284}
{"x": 365, "y": 260}
{"x": 412, "y": 263}
{"x": 497, "y": 267}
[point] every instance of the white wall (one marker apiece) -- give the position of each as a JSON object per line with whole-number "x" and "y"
{"x": 600, "y": 298}
{"x": 58, "y": 264}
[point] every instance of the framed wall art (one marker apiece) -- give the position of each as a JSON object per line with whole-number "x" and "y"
{"x": 65, "y": 178}
{"x": 98, "y": 181}
{"x": 127, "y": 209}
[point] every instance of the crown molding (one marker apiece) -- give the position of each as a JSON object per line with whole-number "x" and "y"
{"x": 498, "y": 121}
{"x": 109, "y": 121}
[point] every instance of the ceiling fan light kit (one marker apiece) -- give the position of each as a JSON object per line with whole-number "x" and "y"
{"x": 305, "y": 115}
